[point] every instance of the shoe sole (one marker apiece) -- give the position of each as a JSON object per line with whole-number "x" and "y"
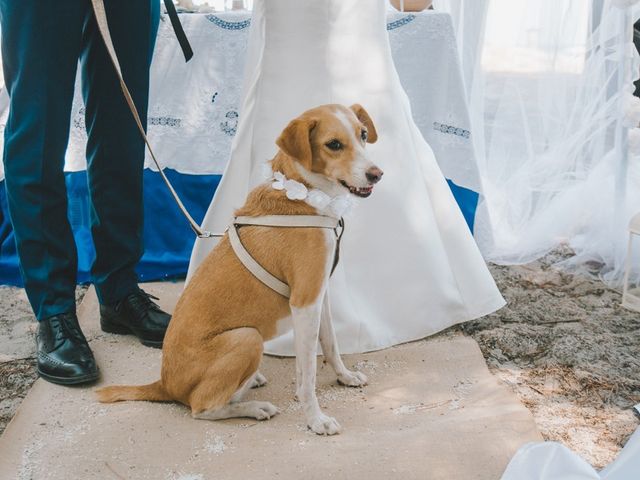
{"x": 117, "y": 329}
{"x": 92, "y": 377}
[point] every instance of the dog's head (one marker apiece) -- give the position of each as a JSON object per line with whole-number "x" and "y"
{"x": 330, "y": 141}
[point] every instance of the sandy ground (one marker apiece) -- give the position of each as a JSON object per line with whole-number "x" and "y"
{"x": 569, "y": 351}
{"x": 563, "y": 344}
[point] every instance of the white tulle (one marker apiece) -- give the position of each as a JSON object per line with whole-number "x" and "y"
{"x": 624, "y": 3}
{"x": 551, "y": 114}
{"x": 553, "y": 461}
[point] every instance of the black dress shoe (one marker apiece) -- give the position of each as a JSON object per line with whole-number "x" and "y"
{"x": 139, "y": 315}
{"x": 64, "y": 355}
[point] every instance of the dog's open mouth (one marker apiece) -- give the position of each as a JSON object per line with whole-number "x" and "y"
{"x": 363, "y": 192}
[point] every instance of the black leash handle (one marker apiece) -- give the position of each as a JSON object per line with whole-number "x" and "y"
{"x": 179, "y": 31}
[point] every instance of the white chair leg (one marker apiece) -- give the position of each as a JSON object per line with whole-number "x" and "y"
{"x": 627, "y": 270}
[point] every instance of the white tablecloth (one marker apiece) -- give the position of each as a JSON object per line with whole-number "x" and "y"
{"x": 194, "y": 107}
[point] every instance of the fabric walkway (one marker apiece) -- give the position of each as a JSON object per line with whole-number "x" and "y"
{"x": 431, "y": 410}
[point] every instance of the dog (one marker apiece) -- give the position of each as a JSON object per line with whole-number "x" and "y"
{"x": 214, "y": 343}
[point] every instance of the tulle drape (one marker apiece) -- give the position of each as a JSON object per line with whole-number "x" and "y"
{"x": 549, "y": 89}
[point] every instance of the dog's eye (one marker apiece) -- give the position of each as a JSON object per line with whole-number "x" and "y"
{"x": 364, "y": 135}
{"x": 334, "y": 145}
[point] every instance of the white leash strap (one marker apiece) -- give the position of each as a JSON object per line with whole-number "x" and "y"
{"x": 103, "y": 26}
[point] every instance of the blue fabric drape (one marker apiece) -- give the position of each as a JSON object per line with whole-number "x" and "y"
{"x": 167, "y": 237}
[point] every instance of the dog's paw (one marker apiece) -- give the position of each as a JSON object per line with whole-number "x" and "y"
{"x": 263, "y": 410}
{"x": 259, "y": 380}
{"x": 325, "y": 425}
{"x": 352, "y": 379}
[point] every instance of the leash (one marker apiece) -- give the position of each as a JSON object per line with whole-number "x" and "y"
{"x": 103, "y": 27}
{"x": 178, "y": 30}
{"x": 286, "y": 221}
{"x": 290, "y": 221}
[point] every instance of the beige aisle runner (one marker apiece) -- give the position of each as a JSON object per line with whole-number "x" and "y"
{"x": 431, "y": 411}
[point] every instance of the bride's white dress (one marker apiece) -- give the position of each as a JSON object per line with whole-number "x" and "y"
{"x": 409, "y": 266}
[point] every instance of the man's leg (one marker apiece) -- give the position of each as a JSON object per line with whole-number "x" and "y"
{"x": 115, "y": 150}
{"x": 40, "y": 48}
{"x": 41, "y": 42}
{"x": 115, "y": 155}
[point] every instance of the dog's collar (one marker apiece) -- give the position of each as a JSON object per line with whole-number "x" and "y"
{"x": 336, "y": 206}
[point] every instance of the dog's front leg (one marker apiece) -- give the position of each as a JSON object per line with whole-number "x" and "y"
{"x": 330, "y": 350}
{"x": 306, "y": 325}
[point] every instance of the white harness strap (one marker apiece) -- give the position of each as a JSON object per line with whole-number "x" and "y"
{"x": 290, "y": 221}
{"x": 299, "y": 221}
{"x": 254, "y": 267}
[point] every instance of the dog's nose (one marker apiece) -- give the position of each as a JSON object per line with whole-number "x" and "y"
{"x": 374, "y": 174}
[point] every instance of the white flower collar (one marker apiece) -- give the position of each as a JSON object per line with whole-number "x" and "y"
{"x": 335, "y": 206}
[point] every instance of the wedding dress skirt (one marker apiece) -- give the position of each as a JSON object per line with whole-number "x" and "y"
{"x": 409, "y": 266}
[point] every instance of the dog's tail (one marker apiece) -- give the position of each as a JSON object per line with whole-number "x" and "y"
{"x": 154, "y": 392}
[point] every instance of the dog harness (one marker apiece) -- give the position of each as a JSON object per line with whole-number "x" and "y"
{"x": 283, "y": 221}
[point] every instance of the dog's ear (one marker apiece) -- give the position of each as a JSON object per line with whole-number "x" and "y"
{"x": 295, "y": 142}
{"x": 364, "y": 117}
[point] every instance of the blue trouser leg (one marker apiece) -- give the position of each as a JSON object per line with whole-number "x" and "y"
{"x": 41, "y": 41}
{"x": 115, "y": 150}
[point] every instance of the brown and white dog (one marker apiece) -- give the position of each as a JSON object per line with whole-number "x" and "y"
{"x": 213, "y": 347}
